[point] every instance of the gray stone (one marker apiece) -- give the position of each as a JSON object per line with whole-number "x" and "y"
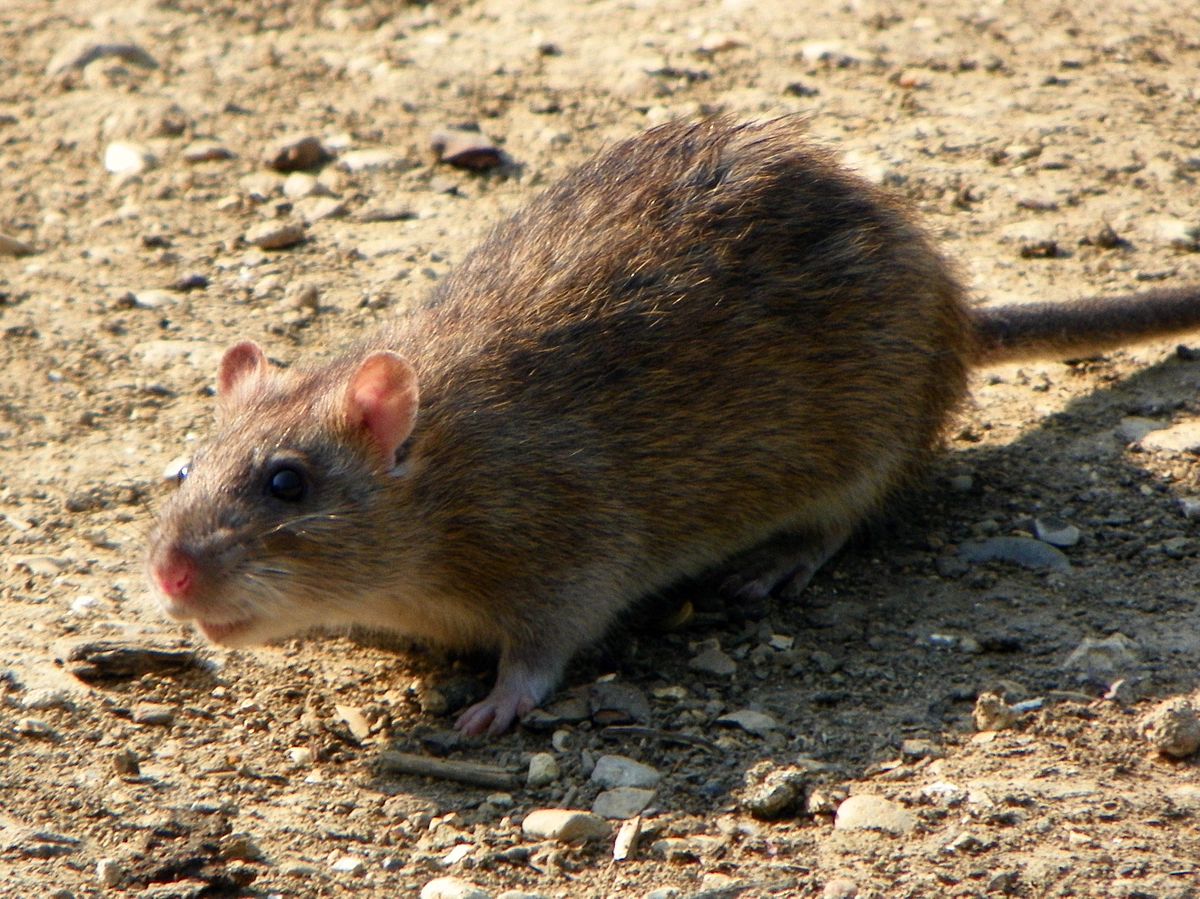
{"x": 1023, "y": 551}
{"x": 622, "y": 802}
{"x": 1107, "y": 657}
{"x": 710, "y": 659}
{"x": 543, "y": 770}
{"x": 1133, "y": 429}
{"x": 620, "y": 771}
{"x": 1055, "y": 532}
{"x": 612, "y": 702}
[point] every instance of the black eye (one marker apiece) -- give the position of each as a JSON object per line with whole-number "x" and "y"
{"x": 182, "y": 473}
{"x": 287, "y": 484}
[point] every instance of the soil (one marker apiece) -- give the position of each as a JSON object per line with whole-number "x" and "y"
{"x": 1053, "y": 149}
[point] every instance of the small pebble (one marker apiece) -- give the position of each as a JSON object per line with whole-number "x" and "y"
{"x": 543, "y": 770}
{"x": 565, "y": 825}
{"x": 1173, "y": 727}
{"x": 153, "y": 713}
{"x": 1179, "y": 234}
{"x": 452, "y": 888}
{"x": 85, "y": 50}
{"x": 316, "y": 209}
{"x": 126, "y": 763}
{"x": 612, "y": 702}
{"x": 711, "y": 659}
{"x": 867, "y": 812}
{"x": 758, "y": 723}
{"x": 1055, "y": 532}
{"x": 10, "y": 246}
{"x": 349, "y": 864}
{"x": 369, "y": 160}
{"x": 456, "y": 855}
{"x": 127, "y": 158}
{"x": 45, "y": 698}
{"x": 275, "y": 235}
{"x": 298, "y": 185}
{"x": 962, "y": 483}
{"x": 301, "y": 756}
{"x": 108, "y": 873}
{"x": 355, "y": 720}
{"x": 840, "y": 888}
{"x": 773, "y": 792}
{"x": 302, "y": 296}
{"x": 620, "y": 771}
{"x": 154, "y": 299}
{"x": 295, "y": 153}
{"x": 35, "y": 728}
{"x": 206, "y": 151}
{"x": 1178, "y": 438}
{"x": 240, "y": 847}
{"x": 993, "y": 713}
{"x": 465, "y": 149}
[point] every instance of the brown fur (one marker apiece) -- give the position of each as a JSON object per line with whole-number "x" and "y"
{"x": 707, "y": 336}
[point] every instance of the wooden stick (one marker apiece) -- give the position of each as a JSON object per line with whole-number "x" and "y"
{"x": 473, "y": 773}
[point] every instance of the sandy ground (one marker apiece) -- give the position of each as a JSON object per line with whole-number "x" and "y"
{"x": 1053, "y": 149}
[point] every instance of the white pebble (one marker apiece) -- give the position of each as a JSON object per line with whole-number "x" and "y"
{"x": 452, "y": 888}
{"x": 126, "y": 158}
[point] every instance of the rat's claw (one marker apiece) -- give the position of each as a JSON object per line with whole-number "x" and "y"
{"x": 495, "y": 714}
{"x": 519, "y": 689}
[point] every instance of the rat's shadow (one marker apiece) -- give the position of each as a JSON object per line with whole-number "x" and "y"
{"x": 891, "y": 642}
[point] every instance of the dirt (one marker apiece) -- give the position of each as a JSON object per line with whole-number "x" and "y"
{"x": 1020, "y": 130}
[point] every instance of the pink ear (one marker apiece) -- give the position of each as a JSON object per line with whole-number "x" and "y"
{"x": 382, "y": 399}
{"x": 240, "y": 362}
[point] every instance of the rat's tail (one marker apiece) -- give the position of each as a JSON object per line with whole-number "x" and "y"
{"x": 1083, "y": 327}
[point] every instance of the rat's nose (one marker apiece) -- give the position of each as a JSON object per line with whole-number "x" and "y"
{"x": 175, "y": 574}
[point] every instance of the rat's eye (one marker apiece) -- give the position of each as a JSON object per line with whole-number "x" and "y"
{"x": 182, "y": 473}
{"x": 287, "y": 484}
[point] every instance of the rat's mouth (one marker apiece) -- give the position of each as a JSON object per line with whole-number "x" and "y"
{"x": 229, "y": 632}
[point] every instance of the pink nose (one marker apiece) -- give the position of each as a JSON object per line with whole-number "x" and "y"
{"x": 176, "y": 573}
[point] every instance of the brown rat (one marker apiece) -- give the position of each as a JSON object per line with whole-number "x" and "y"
{"x": 709, "y": 342}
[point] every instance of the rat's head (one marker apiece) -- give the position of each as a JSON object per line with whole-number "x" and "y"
{"x": 272, "y": 527}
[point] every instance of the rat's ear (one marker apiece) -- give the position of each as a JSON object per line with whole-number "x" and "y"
{"x": 382, "y": 400}
{"x": 243, "y": 364}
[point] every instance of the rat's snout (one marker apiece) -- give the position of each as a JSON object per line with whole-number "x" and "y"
{"x": 175, "y": 572}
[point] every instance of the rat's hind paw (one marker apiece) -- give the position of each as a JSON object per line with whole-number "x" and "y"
{"x": 518, "y": 691}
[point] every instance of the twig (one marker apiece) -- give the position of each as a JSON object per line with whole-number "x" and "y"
{"x": 473, "y": 773}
